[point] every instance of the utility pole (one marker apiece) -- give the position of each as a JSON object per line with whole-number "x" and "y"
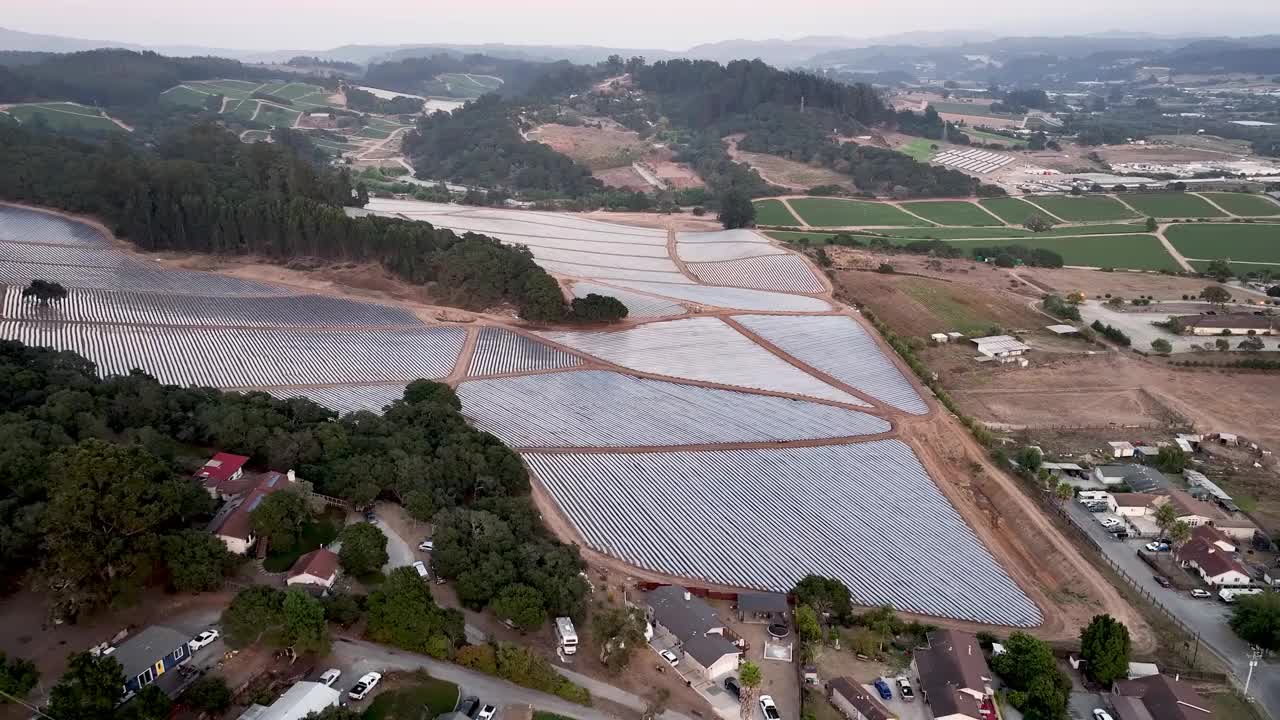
{"x": 801, "y": 103}
{"x": 1255, "y": 654}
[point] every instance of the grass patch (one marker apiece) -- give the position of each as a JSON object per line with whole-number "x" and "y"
{"x": 987, "y": 137}
{"x": 1230, "y": 705}
{"x": 773, "y": 212}
{"x": 1083, "y": 209}
{"x": 427, "y": 697}
{"x": 62, "y": 116}
{"x": 277, "y": 117}
{"x": 951, "y": 212}
{"x": 1010, "y": 210}
{"x": 810, "y": 238}
{"x": 1171, "y": 205}
{"x": 941, "y": 301}
{"x": 833, "y": 212}
{"x": 952, "y": 233}
{"x": 315, "y": 534}
{"x": 1134, "y": 252}
{"x": 373, "y": 133}
{"x": 967, "y": 109}
{"x": 1243, "y": 204}
{"x": 920, "y": 149}
{"x": 185, "y": 96}
{"x": 1236, "y": 241}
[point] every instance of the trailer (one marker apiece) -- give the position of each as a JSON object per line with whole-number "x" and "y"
{"x": 567, "y": 635}
{"x": 1229, "y": 595}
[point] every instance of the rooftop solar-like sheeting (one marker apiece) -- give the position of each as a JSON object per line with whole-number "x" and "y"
{"x": 33, "y": 226}
{"x": 249, "y": 358}
{"x": 346, "y": 398}
{"x": 597, "y": 408}
{"x": 732, "y": 298}
{"x": 699, "y": 349}
{"x": 839, "y": 347}
{"x": 867, "y": 514}
{"x": 638, "y": 306}
{"x": 105, "y": 306}
{"x": 786, "y": 273}
{"x": 502, "y": 351}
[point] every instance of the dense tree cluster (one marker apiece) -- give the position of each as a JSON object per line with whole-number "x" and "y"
{"x": 1036, "y": 686}
{"x": 480, "y": 145}
{"x": 90, "y": 690}
{"x": 364, "y": 549}
{"x": 403, "y": 613}
{"x": 1104, "y": 647}
{"x": 202, "y": 190}
{"x": 17, "y": 677}
{"x": 302, "y": 61}
{"x": 597, "y": 309}
{"x": 281, "y": 618}
{"x": 112, "y": 77}
{"x": 420, "y": 75}
{"x": 366, "y": 101}
{"x": 1009, "y": 255}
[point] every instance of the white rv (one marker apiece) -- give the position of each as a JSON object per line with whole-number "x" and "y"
{"x": 567, "y": 635}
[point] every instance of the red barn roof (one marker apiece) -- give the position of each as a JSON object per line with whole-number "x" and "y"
{"x": 221, "y": 467}
{"x": 319, "y": 563}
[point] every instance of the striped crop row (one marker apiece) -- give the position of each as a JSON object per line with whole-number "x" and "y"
{"x": 786, "y": 273}
{"x": 638, "y": 306}
{"x": 732, "y": 298}
{"x": 33, "y": 226}
{"x": 502, "y": 351}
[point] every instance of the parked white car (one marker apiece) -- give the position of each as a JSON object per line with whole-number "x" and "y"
{"x": 1108, "y": 522}
{"x": 1100, "y": 714}
{"x": 670, "y": 657}
{"x": 365, "y": 685}
{"x": 205, "y": 638}
{"x": 330, "y": 676}
{"x": 1201, "y": 593}
{"x": 768, "y": 707}
{"x": 1157, "y": 547}
{"x": 421, "y": 567}
{"x": 426, "y": 545}
{"x": 487, "y": 712}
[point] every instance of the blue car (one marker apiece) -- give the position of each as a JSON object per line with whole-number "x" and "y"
{"x": 882, "y": 687}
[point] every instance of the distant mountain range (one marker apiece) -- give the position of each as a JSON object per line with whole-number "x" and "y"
{"x": 808, "y": 52}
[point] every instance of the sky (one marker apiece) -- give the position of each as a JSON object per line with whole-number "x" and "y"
{"x": 661, "y": 24}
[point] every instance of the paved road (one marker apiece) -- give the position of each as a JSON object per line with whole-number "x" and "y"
{"x": 1205, "y": 617}
{"x": 362, "y": 657}
{"x": 399, "y": 552}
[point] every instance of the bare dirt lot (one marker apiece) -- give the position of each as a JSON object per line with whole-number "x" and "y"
{"x": 599, "y": 148}
{"x": 786, "y": 173}
{"x": 1094, "y": 283}
{"x": 624, "y": 177}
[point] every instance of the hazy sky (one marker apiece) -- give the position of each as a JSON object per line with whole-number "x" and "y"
{"x": 668, "y": 24}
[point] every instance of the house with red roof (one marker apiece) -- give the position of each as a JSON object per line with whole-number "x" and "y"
{"x": 233, "y": 524}
{"x": 1216, "y": 568}
{"x": 317, "y": 568}
{"x": 222, "y": 475}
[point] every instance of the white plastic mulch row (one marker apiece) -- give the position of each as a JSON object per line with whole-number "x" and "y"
{"x": 787, "y": 273}
{"x": 530, "y": 229}
{"x": 631, "y": 262}
{"x": 604, "y": 272}
{"x": 101, "y": 256}
{"x": 502, "y": 351}
{"x": 239, "y": 358}
{"x": 638, "y": 306}
{"x": 718, "y": 251}
{"x": 703, "y": 349}
{"x": 732, "y": 298}
{"x": 33, "y": 226}
{"x": 134, "y": 276}
{"x": 597, "y": 408}
{"x": 867, "y": 514}
{"x": 839, "y": 347}
{"x": 485, "y": 219}
{"x": 346, "y": 398}
{"x": 107, "y": 306}
{"x": 722, "y": 236}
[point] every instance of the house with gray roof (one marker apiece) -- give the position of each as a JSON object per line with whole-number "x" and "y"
{"x": 148, "y": 655}
{"x": 1140, "y": 478}
{"x": 690, "y": 625}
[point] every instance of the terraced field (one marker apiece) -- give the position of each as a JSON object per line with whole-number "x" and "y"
{"x": 1134, "y": 252}
{"x": 62, "y": 116}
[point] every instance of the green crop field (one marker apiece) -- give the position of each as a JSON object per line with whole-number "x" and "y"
{"x": 293, "y": 91}
{"x": 920, "y": 149}
{"x": 952, "y": 213}
{"x": 1171, "y": 205}
{"x": 959, "y": 108}
{"x": 1135, "y": 252}
{"x": 960, "y": 233}
{"x": 237, "y": 89}
{"x": 252, "y": 136}
{"x": 373, "y": 133}
{"x": 832, "y": 212}
{"x": 183, "y": 95}
{"x": 383, "y": 124}
{"x": 62, "y": 116}
{"x": 1233, "y": 241}
{"x": 987, "y": 137}
{"x": 272, "y": 115}
{"x": 1011, "y": 210}
{"x": 1082, "y": 209}
{"x": 1243, "y": 204}
{"x": 817, "y": 238}
{"x": 772, "y": 212}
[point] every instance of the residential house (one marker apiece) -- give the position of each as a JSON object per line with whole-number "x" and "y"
{"x": 695, "y": 628}
{"x": 148, "y": 655}
{"x": 1133, "y": 504}
{"x": 317, "y": 568}
{"x": 222, "y": 474}
{"x": 1225, "y": 324}
{"x": 1162, "y": 697}
{"x": 1216, "y": 568}
{"x": 762, "y": 607}
{"x": 954, "y": 678}
{"x": 1139, "y": 478}
{"x": 233, "y": 522}
{"x": 1198, "y": 512}
{"x": 296, "y": 703}
{"x": 1214, "y": 537}
{"x": 855, "y": 702}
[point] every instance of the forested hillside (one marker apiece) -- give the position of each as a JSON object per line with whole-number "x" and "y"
{"x": 419, "y": 76}
{"x": 92, "y": 486}
{"x": 111, "y": 77}
{"x": 202, "y": 190}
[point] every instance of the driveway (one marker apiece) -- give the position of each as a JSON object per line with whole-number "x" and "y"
{"x": 1137, "y": 325}
{"x": 1206, "y": 618}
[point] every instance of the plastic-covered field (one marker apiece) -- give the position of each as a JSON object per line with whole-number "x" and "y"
{"x": 104, "y": 306}
{"x": 134, "y": 276}
{"x": 839, "y": 347}
{"x": 732, "y": 298}
{"x": 346, "y": 398}
{"x": 866, "y": 513}
{"x": 502, "y": 351}
{"x": 638, "y": 306}
{"x": 722, "y": 236}
{"x": 699, "y": 349}
{"x": 33, "y": 226}
{"x": 604, "y": 272}
{"x": 715, "y": 252}
{"x": 596, "y": 408}
{"x": 533, "y": 223}
{"x": 252, "y": 358}
{"x": 787, "y": 273}
{"x": 607, "y": 260}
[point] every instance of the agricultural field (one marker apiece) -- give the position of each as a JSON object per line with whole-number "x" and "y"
{"x": 919, "y": 307}
{"x": 1171, "y": 205}
{"x": 502, "y": 351}
{"x": 1133, "y": 252}
{"x": 346, "y": 398}
{"x": 1011, "y": 210}
{"x": 999, "y": 232}
{"x": 1082, "y": 209}
{"x": 638, "y": 305}
{"x": 597, "y": 408}
{"x": 918, "y": 149}
{"x": 1233, "y": 241}
{"x": 986, "y": 137}
{"x": 731, "y": 298}
{"x": 466, "y": 85}
{"x": 728, "y": 250}
{"x": 975, "y": 109}
{"x": 662, "y": 523}
{"x": 947, "y": 212}
{"x": 785, "y": 273}
{"x": 773, "y": 212}
{"x": 1244, "y": 204}
{"x": 63, "y": 116}
{"x": 834, "y": 212}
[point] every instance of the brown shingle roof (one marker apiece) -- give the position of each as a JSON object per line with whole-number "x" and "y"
{"x": 1134, "y": 499}
{"x": 1209, "y": 558}
{"x": 1166, "y": 698}
{"x": 860, "y": 699}
{"x": 1188, "y": 505}
{"x": 319, "y": 563}
{"x": 953, "y": 662}
{"x": 237, "y": 523}
{"x": 1211, "y": 534}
